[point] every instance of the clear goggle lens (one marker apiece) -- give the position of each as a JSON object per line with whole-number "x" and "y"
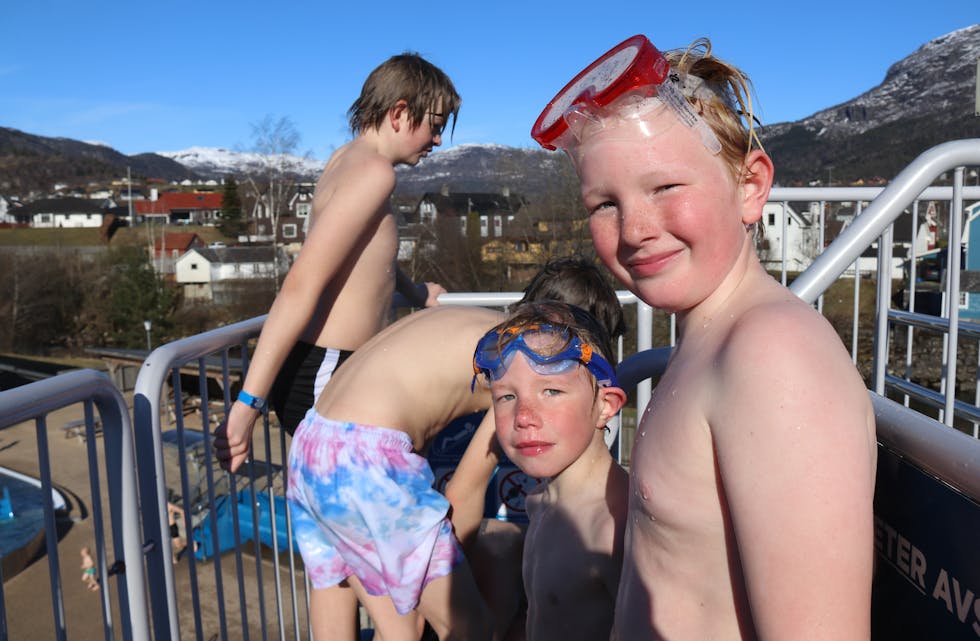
{"x": 549, "y": 350}
{"x": 633, "y": 73}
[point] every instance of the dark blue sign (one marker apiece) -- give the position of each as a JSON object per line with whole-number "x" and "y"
{"x": 927, "y": 562}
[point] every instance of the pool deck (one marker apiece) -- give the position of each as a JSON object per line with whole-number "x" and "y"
{"x": 28, "y": 594}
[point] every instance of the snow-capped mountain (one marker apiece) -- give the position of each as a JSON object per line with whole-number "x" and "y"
{"x": 926, "y": 98}
{"x": 216, "y": 162}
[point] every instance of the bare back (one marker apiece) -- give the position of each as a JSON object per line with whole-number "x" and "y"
{"x": 415, "y": 375}
{"x": 757, "y": 439}
{"x": 355, "y": 303}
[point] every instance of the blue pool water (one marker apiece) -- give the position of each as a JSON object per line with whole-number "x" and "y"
{"x": 22, "y": 496}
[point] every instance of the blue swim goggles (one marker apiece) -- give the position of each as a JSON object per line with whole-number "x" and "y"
{"x": 549, "y": 350}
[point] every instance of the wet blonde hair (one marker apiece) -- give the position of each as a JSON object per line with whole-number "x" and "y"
{"x": 727, "y": 107}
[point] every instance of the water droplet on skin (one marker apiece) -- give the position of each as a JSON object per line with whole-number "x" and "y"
{"x": 653, "y": 519}
{"x": 643, "y": 433}
{"x": 645, "y": 497}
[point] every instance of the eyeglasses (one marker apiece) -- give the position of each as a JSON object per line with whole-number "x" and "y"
{"x": 634, "y": 66}
{"x": 437, "y": 127}
{"x": 549, "y": 349}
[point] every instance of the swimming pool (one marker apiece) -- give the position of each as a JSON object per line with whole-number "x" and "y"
{"x": 21, "y": 534}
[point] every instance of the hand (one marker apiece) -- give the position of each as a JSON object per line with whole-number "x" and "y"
{"x": 434, "y": 291}
{"x": 233, "y": 437}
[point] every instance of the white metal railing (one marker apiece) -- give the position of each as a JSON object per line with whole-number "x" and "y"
{"x": 97, "y": 393}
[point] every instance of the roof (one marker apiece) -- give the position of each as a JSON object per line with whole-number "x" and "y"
{"x": 464, "y": 202}
{"x": 240, "y": 254}
{"x": 66, "y": 205}
{"x": 181, "y": 200}
{"x": 178, "y": 240}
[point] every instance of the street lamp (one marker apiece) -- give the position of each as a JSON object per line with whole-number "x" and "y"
{"x": 147, "y": 325}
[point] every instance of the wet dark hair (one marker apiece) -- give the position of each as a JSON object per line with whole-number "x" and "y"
{"x": 577, "y": 281}
{"x": 408, "y": 77}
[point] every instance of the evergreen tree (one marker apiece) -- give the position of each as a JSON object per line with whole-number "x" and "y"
{"x": 232, "y": 221}
{"x": 136, "y": 294}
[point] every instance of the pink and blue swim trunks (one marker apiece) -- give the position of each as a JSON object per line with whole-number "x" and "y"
{"x": 363, "y": 504}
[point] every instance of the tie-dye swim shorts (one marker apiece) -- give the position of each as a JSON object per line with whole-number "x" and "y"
{"x": 363, "y": 504}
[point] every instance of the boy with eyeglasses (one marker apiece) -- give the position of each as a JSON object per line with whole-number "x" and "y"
{"x": 753, "y": 468}
{"x": 554, "y": 390}
{"x": 338, "y": 292}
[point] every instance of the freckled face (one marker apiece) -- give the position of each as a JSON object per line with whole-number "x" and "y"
{"x": 664, "y": 212}
{"x": 544, "y": 423}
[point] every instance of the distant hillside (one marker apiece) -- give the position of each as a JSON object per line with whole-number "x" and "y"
{"x": 925, "y": 99}
{"x": 482, "y": 168}
{"x": 30, "y": 163}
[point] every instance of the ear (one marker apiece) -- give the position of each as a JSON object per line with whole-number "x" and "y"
{"x": 757, "y": 175}
{"x": 395, "y": 114}
{"x": 610, "y": 400}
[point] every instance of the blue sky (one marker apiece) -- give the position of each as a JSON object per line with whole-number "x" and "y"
{"x": 165, "y": 76}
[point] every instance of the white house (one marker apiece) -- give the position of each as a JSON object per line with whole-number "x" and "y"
{"x": 62, "y": 212}
{"x": 791, "y": 234}
{"x": 200, "y": 270}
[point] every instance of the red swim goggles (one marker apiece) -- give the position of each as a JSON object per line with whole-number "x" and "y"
{"x": 635, "y": 68}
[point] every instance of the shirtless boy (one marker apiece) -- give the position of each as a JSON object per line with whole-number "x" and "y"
{"x": 553, "y": 393}
{"x": 338, "y": 292}
{"x": 391, "y": 398}
{"x": 752, "y": 474}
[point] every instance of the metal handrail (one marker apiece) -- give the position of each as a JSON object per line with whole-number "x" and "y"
{"x": 34, "y": 402}
{"x": 148, "y": 431}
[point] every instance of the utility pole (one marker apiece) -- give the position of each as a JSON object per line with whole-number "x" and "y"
{"x": 129, "y": 188}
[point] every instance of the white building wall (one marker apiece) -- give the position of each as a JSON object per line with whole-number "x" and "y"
{"x": 192, "y": 268}
{"x": 46, "y": 221}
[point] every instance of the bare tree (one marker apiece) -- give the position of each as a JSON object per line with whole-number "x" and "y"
{"x": 275, "y": 140}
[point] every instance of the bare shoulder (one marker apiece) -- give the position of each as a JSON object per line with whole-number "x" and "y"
{"x": 354, "y": 168}
{"x": 782, "y": 360}
{"x": 448, "y": 320}
{"x": 780, "y": 331}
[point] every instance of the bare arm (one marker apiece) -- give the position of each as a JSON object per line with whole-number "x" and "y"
{"x": 468, "y": 486}
{"x": 349, "y": 213}
{"x": 418, "y": 294}
{"x": 796, "y": 454}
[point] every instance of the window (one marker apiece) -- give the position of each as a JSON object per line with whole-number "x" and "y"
{"x": 289, "y": 230}
{"x": 772, "y": 219}
{"x": 303, "y": 210}
{"x": 193, "y": 265}
{"x": 427, "y": 212}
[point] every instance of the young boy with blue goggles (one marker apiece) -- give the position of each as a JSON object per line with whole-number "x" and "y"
{"x": 553, "y": 392}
